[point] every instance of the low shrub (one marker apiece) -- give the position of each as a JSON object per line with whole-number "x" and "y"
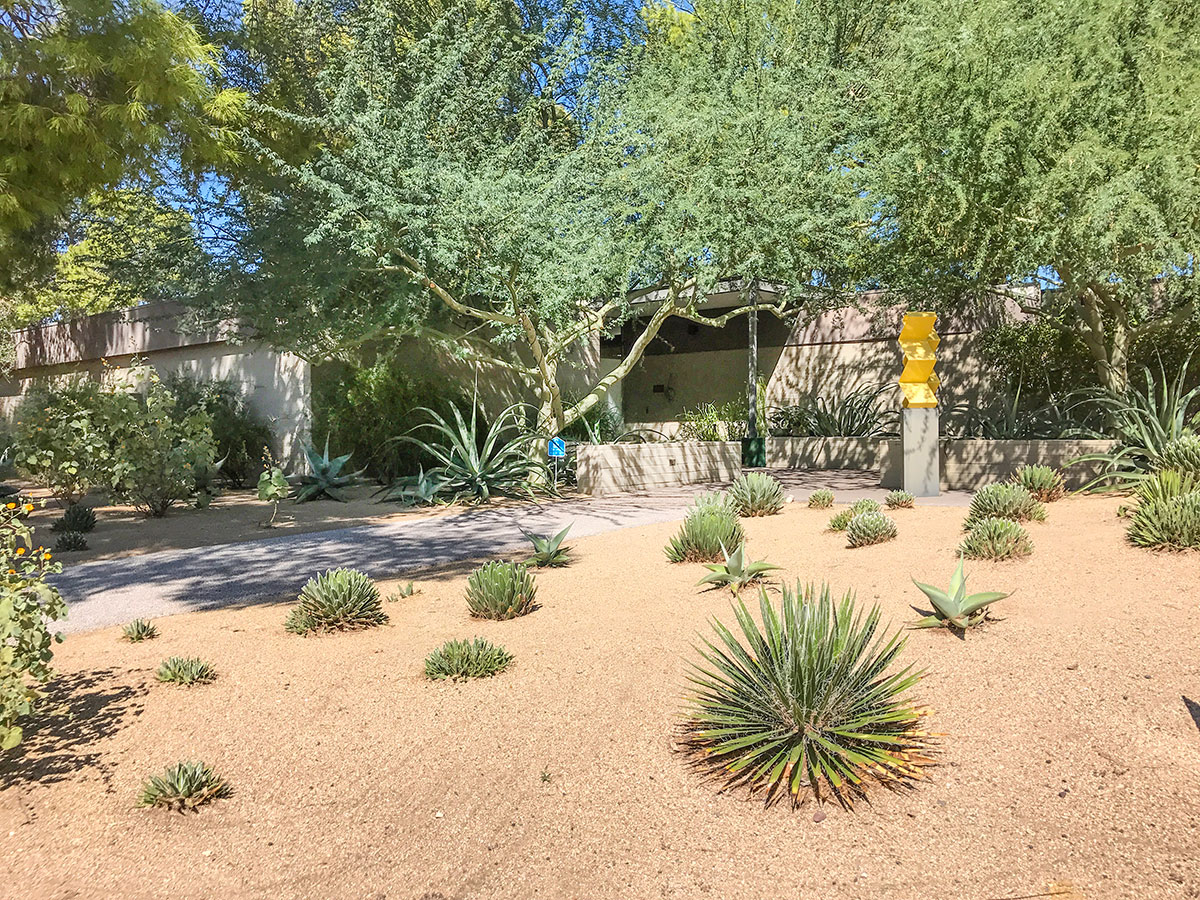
{"x": 1181, "y": 454}
{"x": 841, "y": 519}
{"x": 185, "y": 670}
{"x": 70, "y": 542}
{"x": 810, "y": 701}
{"x": 337, "y": 600}
{"x": 501, "y": 590}
{"x": 139, "y": 630}
{"x": 460, "y": 660}
{"x": 703, "y": 535}
{"x": 1044, "y": 483}
{"x": 185, "y": 785}
{"x": 870, "y": 528}
{"x": 715, "y": 500}
{"x": 1167, "y": 514}
{"x": 713, "y": 422}
{"x": 899, "y": 500}
{"x": 735, "y": 572}
{"x": 239, "y": 433}
{"x": 78, "y": 518}
{"x": 756, "y": 494}
{"x": 822, "y": 498}
{"x": 953, "y": 607}
{"x": 993, "y": 538}
{"x": 1004, "y": 501}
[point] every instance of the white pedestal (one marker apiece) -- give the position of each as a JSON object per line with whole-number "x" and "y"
{"x": 919, "y": 448}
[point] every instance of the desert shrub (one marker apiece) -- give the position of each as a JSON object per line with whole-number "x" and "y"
{"x": 866, "y": 504}
{"x": 822, "y": 498}
{"x": 501, "y": 590}
{"x": 735, "y": 573}
{"x": 326, "y": 476}
{"x": 870, "y": 528}
{"x": 1043, "y": 482}
{"x": 861, "y": 413}
{"x": 810, "y": 701}
{"x": 185, "y": 670}
{"x": 139, "y": 630}
{"x": 69, "y": 542}
{"x": 336, "y": 600}
{"x": 77, "y": 518}
{"x": 460, "y": 660}
{"x": 1167, "y": 514}
{"x": 841, "y": 519}
{"x": 703, "y": 534}
{"x": 899, "y": 500}
{"x": 714, "y": 422}
{"x": 993, "y": 538}
{"x": 1004, "y": 501}
{"x": 185, "y": 785}
{"x": 59, "y": 439}
{"x": 953, "y": 607}
{"x": 756, "y": 494}
{"x": 1181, "y": 454}
{"x": 239, "y": 433}
{"x": 28, "y": 603}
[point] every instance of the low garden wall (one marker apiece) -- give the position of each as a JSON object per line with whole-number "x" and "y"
{"x": 822, "y": 453}
{"x": 623, "y": 468}
{"x": 969, "y": 464}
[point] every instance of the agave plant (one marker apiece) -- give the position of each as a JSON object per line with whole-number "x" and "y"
{"x": 1167, "y": 515}
{"x": 185, "y": 670}
{"x": 1181, "y": 454}
{"x": 1003, "y": 501}
{"x": 476, "y": 468}
{"x": 185, "y": 785}
{"x": 899, "y": 500}
{"x": 996, "y": 539}
{"x": 337, "y": 600}
{"x": 70, "y": 541}
{"x": 548, "y": 552}
{"x": 139, "y": 630}
{"x": 870, "y": 527}
{"x": 953, "y": 607}
{"x": 325, "y": 478}
{"x": 704, "y": 534}
{"x": 822, "y": 498}
{"x": 78, "y": 518}
{"x": 756, "y": 494}
{"x": 421, "y": 489}
{"x": 718, "y": 500}
{"x": 1044, "y": 483}
{"x": 735, "y": 572}
{"x": 807, "y": 702}
{"x": 460, "y": 660}
{"x": 501, "y": 590}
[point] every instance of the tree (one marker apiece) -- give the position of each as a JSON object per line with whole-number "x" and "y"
{"x": 1049, "y": 143}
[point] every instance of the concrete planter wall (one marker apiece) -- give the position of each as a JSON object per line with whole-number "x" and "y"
{"x": 822, "y": 453}
{"x": 969, "y": 464}
{"x": 622, "y": 468}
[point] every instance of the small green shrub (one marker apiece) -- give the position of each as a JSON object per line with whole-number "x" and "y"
{"x": 866, "y": 504}
{"x": 899, "y": 500}
{"x": 239, "y": 433}
{"x": 718, "y": 500}
{"x": 735, "y": 571}
{"x": 841, "y": 519}
{"x": 139, "y": 630}
{"x": 870, "y": 528}
{"x": 501, "y": 590}
{"x": 69, "y": 542}
{"x": 953, "y": 608}
{"x": 548, "y": 552}
{"x": 403, "y": 592}
{"x": 810, "y": 701}
{"x": 1004, "y": 501}
{"x": 337, "y": 600}
{"x": 1044, "y": 483}
{"x": 460, "y": 660}
{"x": 1181, "y": 454}
{"x": 185, "y": 785}
{"x": 59, "y": 437}
{"x": 1167, "y": 514}
{"x": 712, "y": 422}
{"x": 993, "y": 538}
{"x": 185, "y": 670}
{"x": 703, "y": 534}
{"x": 822, "y": 498}
{"x": 756, "y": 494}
{"x": 78, "y": 518}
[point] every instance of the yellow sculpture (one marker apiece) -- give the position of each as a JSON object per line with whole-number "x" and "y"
{"x": 919, "y": 342}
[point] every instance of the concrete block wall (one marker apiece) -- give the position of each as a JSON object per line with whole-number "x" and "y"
{"x": 603, "y": 469}
{"x": 967, "y": 465}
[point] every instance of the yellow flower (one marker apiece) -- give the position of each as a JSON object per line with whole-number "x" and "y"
{"x": 12, "y": 571}
{"x": 45, "y": 556}
{"x": 12, "y": 506}
{"x": 20, "y": 551}
{"x": 28, "y": 507}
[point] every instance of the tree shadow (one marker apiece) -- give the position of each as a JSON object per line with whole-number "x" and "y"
{"x": 77, "y": 711}
{"x": 1193, "y": 709}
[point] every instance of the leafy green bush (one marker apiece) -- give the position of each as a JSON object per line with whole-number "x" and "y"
{"x": 870, "y": 528}
{"x": 548, "y": 552}
{"x": 273, "y": 488}
{"x": 704, "y": 534}
{"x": 27, "y": 604}
{"x": 185, "y": 785}
{"x": 714, "y": 422}
{"x": 860, "y": 413}
{"x": 808, "y": 701}
{"x": 1181, "y": 454}
{"x": 1044, "y": 483}
{"x": 993, "y": 538}
{"x": 1003, "y": 501}
{"x": 185, "y": 670}
{"x": 59, "y": 438}
{"x": 953, "y": 608}
{"x": 822, "y": 498}
{"x": 239, "y": 433}
{"x": 460, "y": 660}
{"x": 69, "y": 542}
{"x": 501, "y": 590}
{"x": 899, "y": 500}
{"x": 756, "y": 494}
{"x": 735, "y": 572}
{"x": 77, "y": 518}
{"x": 139, "y": 630}
{"x": 336, "y": 600}
{"x": 325, "y": 477}
{"x": 1167, "y": 514}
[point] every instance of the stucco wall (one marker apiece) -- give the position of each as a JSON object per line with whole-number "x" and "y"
{"x": 603, "y": 469}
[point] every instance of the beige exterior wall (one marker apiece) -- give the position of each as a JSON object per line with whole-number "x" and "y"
{"x": 967, "y": 465}
{"x": 603, "y": 469}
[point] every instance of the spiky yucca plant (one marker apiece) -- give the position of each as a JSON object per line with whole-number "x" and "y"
{"x": 1004, "y": 501}
{"x": 1167, "y": 515}
{"x": 1044, "y": 483}
{"x": 70, "y": 541}
{"x": 807, "y": 702}
{"x": 77, "y": 518}
{"x": 996, "y": 539}
{"x": 336, "y": 600}
{"x": 1181, "y": 454}
{"x": 185, "y": 785}
{"x": 139, "y": 630}
{"x": 702, "y": 535}
{"x": 870, "y": 528}
{"x": 735, "y": 572}
{"x": 899, "y": 500}
{"x": 501, "y": 590}
{"x": 185, "y": 670}
{"x": 756, "y": 494}
{"x": 460, "y": 660}
{"x": 822, "y": 498}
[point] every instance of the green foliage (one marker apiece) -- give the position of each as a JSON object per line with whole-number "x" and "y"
{"x": 735, "y": 572}
{"x": 704, "y": 534}
{"x": 870, "y": 528}
{"x": 549, "y": 551}
{"x": 1004, "y": 501}
{"x": 501, "y": 590}
{"x": 183, "y": 786}
{"x": 139, "y": 630}
{"x": 953, "y": 608}
{"x": 273, "y": 485}
{"x": 863, "y": 412}
{"x": 993, "y": 538}
{"x": 185, "y": 670}
{"x": 77, "y": 518}
{"x": 28, "y": 603}
{"x": 718, "y": 500}
{"x": 1044, "y": 483}
{"x": 59, "y": 438}
{"x": 809, "y": 701}
{"x": 714, "y": 422}
{"x": 756, "y": 494}
{"x": 403, "y": 592}
{"x": 69, "y": 541}
{"x": 421, "y": 489}
{"x": 841, "y": 519}
{"x": 460, "y": 660}
{"x": 822, "y": 498}
{"x": 325, "y": 477}
{"x": 899, "y": 500}
{"x": 1181, "y": 454}
{"x": 239, "y": 433}
{"x": 336, "y": 600}
{"x": 1167, "y": 514}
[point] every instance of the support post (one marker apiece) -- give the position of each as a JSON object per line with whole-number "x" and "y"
{"x": 919, "y": 445}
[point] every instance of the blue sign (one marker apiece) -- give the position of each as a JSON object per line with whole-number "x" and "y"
{"x": 557, "y": 448}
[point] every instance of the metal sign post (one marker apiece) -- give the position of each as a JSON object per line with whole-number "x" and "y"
{"x": 556, "y": 449}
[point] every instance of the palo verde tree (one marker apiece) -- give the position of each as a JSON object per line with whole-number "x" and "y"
{"x": 1019, "y": 142}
